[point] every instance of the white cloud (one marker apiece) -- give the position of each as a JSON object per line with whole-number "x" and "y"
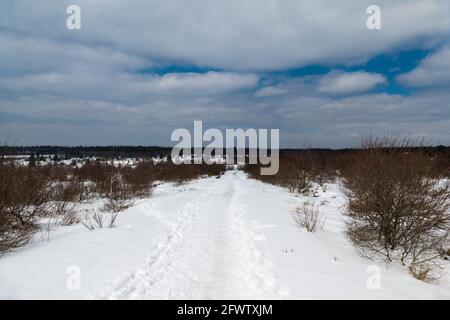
{"x": 122, "y": 86}
{"x": 326, "y": 121}
{"x": 210, "y": 82}
{"x": 91, "y": 79}
{"x": 270, "y": 91}
{"x": 240, "y": 35}
{"x": 30, "y": 55}
{"x": 303, "y": 116}
{"x": 349, "y": 82}
{"x": 434, "y": 70}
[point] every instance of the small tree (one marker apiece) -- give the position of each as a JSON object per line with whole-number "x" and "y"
{"x": 395, "y": 208}
{"x": 118, "y": 197}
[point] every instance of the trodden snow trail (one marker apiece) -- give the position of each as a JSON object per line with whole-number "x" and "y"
{"x": 209, "y": 253}
{"x": 232, "y": 237}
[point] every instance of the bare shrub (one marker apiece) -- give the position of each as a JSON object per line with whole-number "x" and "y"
{"x": 115, "y": 205}
{"x": 24, "y": 198}
{"x": 295, "y": 181}
{"x": 430, "y": 271}
{"x": 112, "y": 219}
{"x": 94, "y": 219}
{"x": 442, "y": 162}
{"x": 303, "y": 182}
{"x": 118, "y": 196}
{"x": 66, "y": 213}
{"x": 14, "y": 235}
{"x": 28, "y": 194}
{"x": 182, "y": 173}
{"x": 396, "y": 209}
{"x": 98, "y": 173}
{"x": 309, "y": 217}
{"x": 299, "y": 168}
{"x": 71, "y": 190}
{"x": 139, "y": 179}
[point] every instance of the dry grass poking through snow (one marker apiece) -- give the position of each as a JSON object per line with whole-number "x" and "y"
{"x": 309, "y": 217}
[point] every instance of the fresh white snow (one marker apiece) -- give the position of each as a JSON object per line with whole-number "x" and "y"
{"x": 227, "y": 238}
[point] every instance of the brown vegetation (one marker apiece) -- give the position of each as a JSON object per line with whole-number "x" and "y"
{"x": 299, "y": 168}
{"x": 29, "y": 193}
{"x": 25, "y": 194}
{"x": 396, "y": 208}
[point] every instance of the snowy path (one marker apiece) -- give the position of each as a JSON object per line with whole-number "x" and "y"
{"x": 209, "y": 253}
{"x": 227, "y": 238}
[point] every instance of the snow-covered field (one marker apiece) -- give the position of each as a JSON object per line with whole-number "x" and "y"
{"x": 209, "y": 239}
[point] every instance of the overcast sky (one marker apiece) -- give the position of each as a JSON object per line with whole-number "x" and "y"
{"x": 139, "y": 69}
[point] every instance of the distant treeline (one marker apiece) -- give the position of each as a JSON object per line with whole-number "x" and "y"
{"x": 156, "y": 151}
{"x": 69, "y": 152}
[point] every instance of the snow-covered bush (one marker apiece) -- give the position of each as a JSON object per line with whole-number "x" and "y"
{"x": 396, "y": 209}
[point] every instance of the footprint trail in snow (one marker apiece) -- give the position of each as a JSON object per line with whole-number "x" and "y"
{"x": 209, "y": 253}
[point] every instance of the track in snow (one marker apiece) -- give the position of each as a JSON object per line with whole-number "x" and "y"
{"x": 209, "y": 253}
